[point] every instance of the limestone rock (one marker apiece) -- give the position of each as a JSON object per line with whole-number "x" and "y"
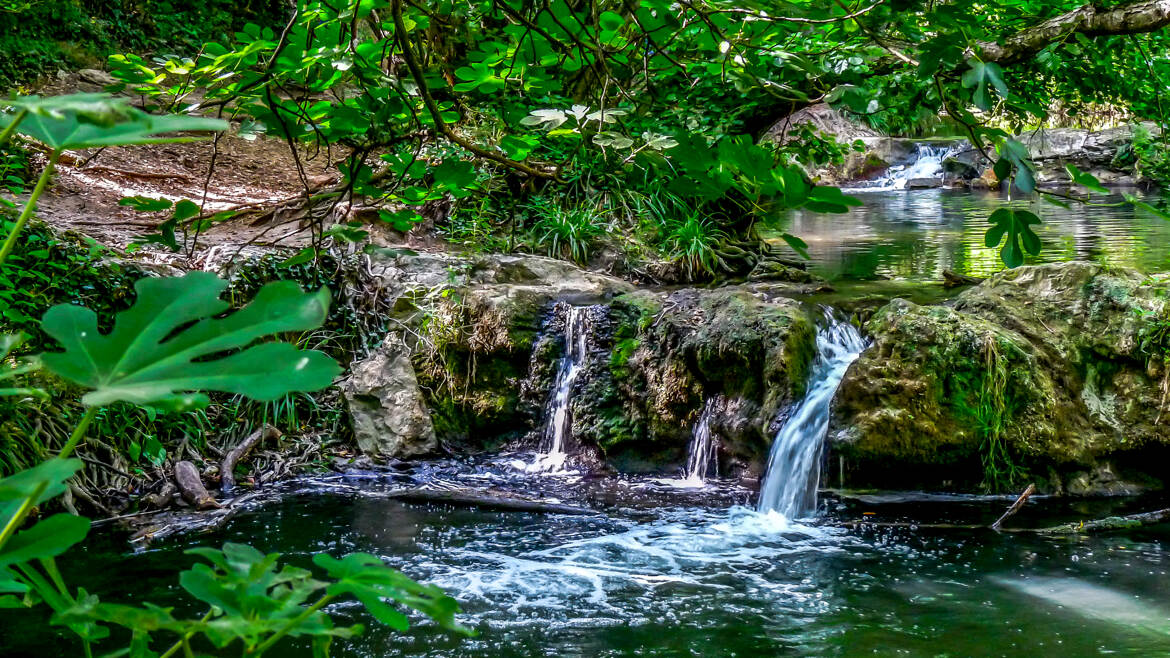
{"x": 470, "y": 324}
{"x": 96, "y": 77}
{"x": 923, "y": 183}
{"x": 390, "y": 418}
{"x": 1096, "y": 152}
{"x": 822, "y": 118}
{"x": 1042, "y": 366}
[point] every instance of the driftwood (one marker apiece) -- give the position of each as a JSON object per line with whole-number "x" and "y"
{"x": 191, "y": 486}
{"x": 160, "y": 524}
{"x": 485, "y": 500}
{"x": 164, "y": 497}
{"x": 1015, "y": 506}
{"x": 227, "y": 469}
{"x": 1110, "y": 523}
{"x": 1107, "y": 524}
{"x": 954, "y": 279}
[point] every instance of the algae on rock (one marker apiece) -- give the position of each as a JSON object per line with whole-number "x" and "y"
{"x": 666, "y": 353}
{"x": 1038, "y": 368}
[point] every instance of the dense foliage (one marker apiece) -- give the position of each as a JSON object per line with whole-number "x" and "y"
{"x": 570, "y": 128}
{"x": 163, "y": 354}
{"x": 39, "y": 37}
{"x": 555, "y": 123}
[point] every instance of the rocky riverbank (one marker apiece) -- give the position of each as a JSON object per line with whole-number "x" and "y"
{"x": 1054, "y": 374}
{"x": 1108, "y": 154}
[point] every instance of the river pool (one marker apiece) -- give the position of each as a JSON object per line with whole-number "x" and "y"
{"x": 917, "y": 234}
{"x": 659, "y": 571}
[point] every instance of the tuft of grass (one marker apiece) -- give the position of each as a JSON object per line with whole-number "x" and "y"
{"x": 568, "y": 232}
{"x": 694, "y": 243}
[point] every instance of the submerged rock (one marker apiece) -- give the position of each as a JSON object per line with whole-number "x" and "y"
{"x": 1039, "y": 373}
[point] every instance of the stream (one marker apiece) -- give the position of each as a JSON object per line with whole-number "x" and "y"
{"x": 662, "y": 571}
{"x": 913, "y": 236}
{"x": 701, "y": 566}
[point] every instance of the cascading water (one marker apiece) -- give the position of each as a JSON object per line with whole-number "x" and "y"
{"x": 701, "y": 452}
{"x": 554, "y": 455}
{"x": 790, "y": 483}
{"x": 927, "y": 164}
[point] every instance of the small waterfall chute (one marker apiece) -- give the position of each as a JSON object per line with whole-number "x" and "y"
{"x": 558, "y": 428}
{"x": 927, "y": 164}
{"x": 790, "y": 482}
{"x": 701, "y": 451}
{"x": 701, "y": 461}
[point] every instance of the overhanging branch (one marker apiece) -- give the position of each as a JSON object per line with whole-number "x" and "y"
{"x": 1134, "y": 18}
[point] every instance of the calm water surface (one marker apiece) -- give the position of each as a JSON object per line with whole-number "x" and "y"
{"x": 917, "y": 234}
{"x": 660, "y": 572}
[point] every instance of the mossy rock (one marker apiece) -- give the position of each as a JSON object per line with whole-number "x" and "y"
{"x": 667, "y": 353}
{"x": 1042, "y": 367}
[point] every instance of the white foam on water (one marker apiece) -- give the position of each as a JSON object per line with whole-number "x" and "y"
{"x": 691, "y": 552}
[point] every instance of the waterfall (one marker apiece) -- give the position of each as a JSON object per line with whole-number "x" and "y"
{"x": 701, "y": 452}
{"x": 790, "y": 483}
{"x": 927, "y": 164}
{"x": 559, "y": 428}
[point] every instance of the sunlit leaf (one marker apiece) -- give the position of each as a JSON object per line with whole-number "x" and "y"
{"x": 152, "y": 357}
{"x": 1016, "y": 226}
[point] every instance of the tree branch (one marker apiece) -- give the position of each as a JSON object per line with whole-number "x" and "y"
{"x": 1134, "y": 18}
{"x": 432, "y": 106}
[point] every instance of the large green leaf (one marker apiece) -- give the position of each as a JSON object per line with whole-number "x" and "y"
{"x": 979, "y": 77}
{"x": 1085, "y": 179}
{"x": 1017, "y": 226}
{"x": 96, "y": 121}
{"x": 48, "y": 478}
{"x": 98, "y": 108}
{"x": 1014, "y": 156}
{"x": 254, "y": 597}
{"x": 169, "y": 346}
{"x": 370, "y": 581}
{"x": 50, "y": 474}
{"x": 48, "y": 538}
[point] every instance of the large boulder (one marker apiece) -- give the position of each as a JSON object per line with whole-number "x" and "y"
{"x": 1043, "y": 374}
{"x": 821, "y": 118}
{"x": 386, "y": 406}
{"x": 1103, "y": 153}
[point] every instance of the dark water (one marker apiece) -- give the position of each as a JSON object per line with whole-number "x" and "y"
{"x": 917, "y": 234}
{"x": 662, "y": 572}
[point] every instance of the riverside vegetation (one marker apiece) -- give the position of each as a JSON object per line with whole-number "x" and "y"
{"x": 492, "y": 164}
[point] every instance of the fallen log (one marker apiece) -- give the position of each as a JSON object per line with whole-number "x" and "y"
{"x": 1107, "y": 524}
{"x": 484, "y": 500}
{"x": 191, "y": 486}
{"x": 228, "y": 467}
{"x": 1111, "y": 523}
{"x": 954, "y": 279}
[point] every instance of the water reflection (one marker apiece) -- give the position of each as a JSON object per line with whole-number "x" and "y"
{"x": 918, "y": 234}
